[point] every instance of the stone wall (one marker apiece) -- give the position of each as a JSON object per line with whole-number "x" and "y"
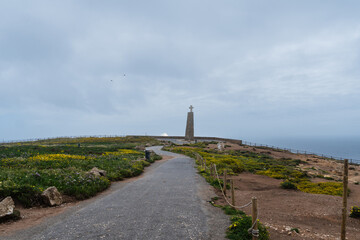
{"x": 217, "y": 139}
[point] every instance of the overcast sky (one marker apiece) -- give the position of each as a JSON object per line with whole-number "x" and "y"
{"x": 252, "y": 69}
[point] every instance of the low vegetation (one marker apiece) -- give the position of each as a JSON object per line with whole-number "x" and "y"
{"x": 240, "y": 225}
{"x": 238, "y": 161}
{"x": 288, "y": 185}
{"x": 26, "y": 169}
{"x": 355, "y": 212}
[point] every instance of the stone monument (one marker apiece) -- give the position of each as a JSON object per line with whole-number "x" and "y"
{"x": 189, "y": 133}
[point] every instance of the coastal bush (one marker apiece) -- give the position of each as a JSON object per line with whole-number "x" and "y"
{"x": 88, "y": 146}
{"x": 27, "y": 170}
{"x": 232, "y": 163}
{"x": 26, "y": 185}
{"x": 240, "y": 224}
{"x": 200, "y": 144}
{"x": 212, "y": 181}
{"x": 288, "y": 185}
{"x": 154, "y": 157}
{"x": 282, "y": 172}
{"x": 328, "y": 188}
{"x": 355, "y": 212}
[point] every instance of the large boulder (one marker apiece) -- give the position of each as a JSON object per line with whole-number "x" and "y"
{"x": 52, "y": 196}
{"x": 6, "y": 207}
{"x": 97, "y": 172}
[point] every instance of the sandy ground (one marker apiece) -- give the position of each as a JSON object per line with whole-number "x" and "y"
{"x": 36, "y": 215}
{"x": 316, "y": 216}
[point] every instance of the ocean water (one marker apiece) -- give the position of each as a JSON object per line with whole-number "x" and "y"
{"x": 342, "y": 147}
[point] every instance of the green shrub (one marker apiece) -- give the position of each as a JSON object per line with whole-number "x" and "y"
{"x": 288, "y": 185}
{"x": 355, "y": 212}
{"x": 240, "y": 224}
{"x": 27, "y": 194}
{"x": 12, "y": 217}
{"x": 156, "y": 157}
{"x": 212, "y": 181}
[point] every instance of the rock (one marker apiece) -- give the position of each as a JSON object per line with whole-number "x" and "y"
{"x": 6, "y": 207}
{"x": 97, "y": 172}
{"x": 52, "y": 196}
{"x": 12, "y": 217}
{"x": 287, "y": 228}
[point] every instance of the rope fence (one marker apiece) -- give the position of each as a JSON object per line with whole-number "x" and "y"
{"x": 222, "y": 191}
{"x": 253, "y": 229}
{"x": 296, "y": 151}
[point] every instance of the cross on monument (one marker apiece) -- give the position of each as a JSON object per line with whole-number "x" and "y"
{"x": 191, "y": 108}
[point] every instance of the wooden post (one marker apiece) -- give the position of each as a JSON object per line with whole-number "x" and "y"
{"x": 345, "y": 191}
{"x": 232, "y": 193}
{"x": 225, "y": 182}
{"x": 214, "y": 173}
{"x": 212, "y": 170}
{"x": 254, "y": 217}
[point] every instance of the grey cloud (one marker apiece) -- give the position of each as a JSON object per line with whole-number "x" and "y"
{"x": 246, "y": 66}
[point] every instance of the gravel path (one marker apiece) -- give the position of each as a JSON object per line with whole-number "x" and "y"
{"x": 168, "y": 202}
